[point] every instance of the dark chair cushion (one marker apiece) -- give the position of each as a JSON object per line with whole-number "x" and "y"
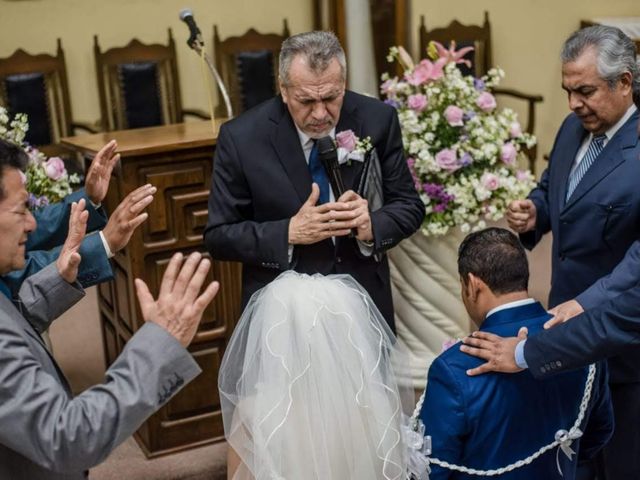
{"x": 26, "y": 93}
{"x": 141, "y": 94}
{"x": 255, "y": 77}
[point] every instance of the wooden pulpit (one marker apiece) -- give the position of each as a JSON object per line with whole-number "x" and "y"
{"x": 178, "y": 160}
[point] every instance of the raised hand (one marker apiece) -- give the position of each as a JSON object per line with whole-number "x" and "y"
{"x": 96, "y": 182}
{"x": 500, "y": 353}
{"x": 69, "y": 259}
{"x": 563, "y": 312}
{"x": 360, "y": 208}
{"x": 179, "y": 308}
{"x": 521, "y": 215}
{"x": 127, "y": 216}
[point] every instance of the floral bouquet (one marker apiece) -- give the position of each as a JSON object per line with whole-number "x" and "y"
{"x": 47, "y": 180}
{"x": 462, "y": 151}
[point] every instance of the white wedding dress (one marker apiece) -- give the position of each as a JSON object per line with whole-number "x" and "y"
{"x": 307, "y": 386}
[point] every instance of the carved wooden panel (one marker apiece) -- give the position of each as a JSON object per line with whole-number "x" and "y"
{"x": 177, "y": 218}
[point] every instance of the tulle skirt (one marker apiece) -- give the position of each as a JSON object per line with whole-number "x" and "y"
{"x": 308, "y": 386}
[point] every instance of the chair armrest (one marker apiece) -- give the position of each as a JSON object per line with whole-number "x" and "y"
{"x": 196, "y": 113}
{"x": 86, "y": 126}
{"x": 518, "y": 94}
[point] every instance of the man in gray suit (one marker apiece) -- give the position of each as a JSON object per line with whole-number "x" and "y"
{"x": 45, "y": 432}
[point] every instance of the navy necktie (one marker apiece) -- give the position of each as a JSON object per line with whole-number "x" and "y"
{"x": 595, "y": 147}
{"x": 319, "y": 174}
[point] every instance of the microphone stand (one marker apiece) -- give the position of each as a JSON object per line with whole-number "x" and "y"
{"x": 197, "y": 45}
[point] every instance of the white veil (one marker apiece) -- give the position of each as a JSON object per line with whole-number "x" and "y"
{"x": 307, "y": 386}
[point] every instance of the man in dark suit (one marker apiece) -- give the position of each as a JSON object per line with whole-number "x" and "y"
{"x": 494, "y": 420}
{"x": 588, "y": 198}
{"x": 270, "y": 205}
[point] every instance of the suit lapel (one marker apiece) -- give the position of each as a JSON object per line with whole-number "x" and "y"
{"x": 285, "y": 141}
{"x": 609, "y": 159}
{"x": 349, "y": 120}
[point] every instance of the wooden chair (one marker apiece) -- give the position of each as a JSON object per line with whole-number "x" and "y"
{"x": 139, "y": 86}
{"x": 481, "y": 60}
{"x": 37, "y": 85}
{"x": 248, "y": 65}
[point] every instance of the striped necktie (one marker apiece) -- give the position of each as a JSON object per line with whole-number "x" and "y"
{"x": 595, "y": 147}
{"x": 319, "y": 174}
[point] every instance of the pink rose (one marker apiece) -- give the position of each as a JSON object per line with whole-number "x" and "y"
{"x": 347, "y": 140}
{"x": 54, "y": 168}
{"x": 508, "y": 153}
{"x": 447, "y": 160}
{"x": 522, "y": 175}
{"x": 515, "y": 130}
{"x": 453, "y": 115}
{"x": 388, "y": 87}
{"x": 490, "y": 181}
{"x": 486, "y": 102}
{"x": 417, "y": 102}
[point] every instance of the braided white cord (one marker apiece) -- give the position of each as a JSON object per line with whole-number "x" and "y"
{"x": 520, "y": 463}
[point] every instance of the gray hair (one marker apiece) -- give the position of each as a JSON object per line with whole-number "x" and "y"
{"x": 319, "y": 48}
{"x": 616, "y": 54}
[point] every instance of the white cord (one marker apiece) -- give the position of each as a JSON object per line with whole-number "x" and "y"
{"x": 562, "y": 436}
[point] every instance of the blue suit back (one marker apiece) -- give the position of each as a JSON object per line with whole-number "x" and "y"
{"x": 493, "y": 420}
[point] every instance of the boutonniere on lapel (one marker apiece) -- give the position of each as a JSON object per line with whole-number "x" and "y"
{"x": 350, "y": 147}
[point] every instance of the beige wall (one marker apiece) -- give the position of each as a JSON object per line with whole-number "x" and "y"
{"x": 35, "y": 24}
{"x": 527, "y": 36}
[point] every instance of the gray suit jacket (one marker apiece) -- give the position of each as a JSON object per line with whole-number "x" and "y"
{"x": 46, "y": 433}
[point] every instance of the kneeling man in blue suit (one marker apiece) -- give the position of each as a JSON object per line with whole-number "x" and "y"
{"x": 494, "y": 420}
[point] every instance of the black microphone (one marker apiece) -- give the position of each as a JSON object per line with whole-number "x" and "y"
{"x": 328, "y": 155}
{"x": 186, "y": 15}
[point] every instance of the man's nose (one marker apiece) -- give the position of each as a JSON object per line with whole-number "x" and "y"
{"x": 30, "y": 222}
{"x": 575, "y": 101}
{"x": 319, "y": 111}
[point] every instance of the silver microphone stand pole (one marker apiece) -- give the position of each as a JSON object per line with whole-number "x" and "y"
{"x": 198, "y": 46}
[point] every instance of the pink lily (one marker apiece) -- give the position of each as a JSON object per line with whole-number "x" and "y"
{"x": 452, "y": 55}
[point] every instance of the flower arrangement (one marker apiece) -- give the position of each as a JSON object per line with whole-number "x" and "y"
{"x": 47, "y": 180}
{"x": 462, "y": 151}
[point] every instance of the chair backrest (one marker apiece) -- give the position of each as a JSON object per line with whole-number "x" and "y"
{"x": 37, "y": 85}
{"x": 476, "y": 36}
{"x": 138, "y": 85}
{"x": 248, "y": 65}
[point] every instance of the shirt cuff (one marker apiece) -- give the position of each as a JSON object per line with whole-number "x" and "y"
{"x": 366, "y": 248}
{"x": 110, "y": 254}
{"x": 519, "y": 355}
{"x": 290, "y": 254}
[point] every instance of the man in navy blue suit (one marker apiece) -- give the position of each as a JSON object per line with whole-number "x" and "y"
{"x": 589, "y": 199}
{"x": 494, "y": 420}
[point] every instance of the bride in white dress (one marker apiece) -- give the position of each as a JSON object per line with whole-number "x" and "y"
{"x": 307, "y": 386}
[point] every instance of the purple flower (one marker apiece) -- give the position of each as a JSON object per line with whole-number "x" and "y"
{"x": 447, "y": 160}
{"x": 54, "y": 168}
{"x": 392, "y": 102}
{"x": 478, "y": 84}
{"x": 347, "y": 140}
{"x": 486, "y": 102}
{"x": 466, "y": 159}
{"x": 454, "y": 115}
{"x": 417, "y": 102}
{"x": 439, "y": 208}
{"x": 469, "y": 115}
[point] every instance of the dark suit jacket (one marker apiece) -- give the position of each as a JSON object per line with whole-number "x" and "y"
{"x": 610, "y": 329}
{"x": 493, "y": 420}
{"x": 261, "y": 179}
{"x": 594, "y": 229}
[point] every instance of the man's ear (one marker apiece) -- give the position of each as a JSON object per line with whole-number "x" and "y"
{"x": 283, "y": 91}
{"x": 474, "y": 286}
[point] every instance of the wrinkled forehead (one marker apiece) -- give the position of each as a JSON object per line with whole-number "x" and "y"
{"x": 13, "y": 187}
